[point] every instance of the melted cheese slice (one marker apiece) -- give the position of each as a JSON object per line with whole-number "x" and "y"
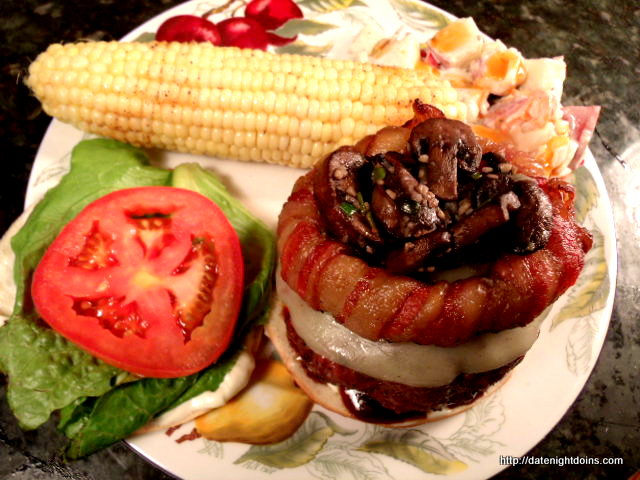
{"x": 403, "y": 362}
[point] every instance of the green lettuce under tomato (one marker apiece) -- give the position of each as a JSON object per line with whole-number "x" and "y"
{"x": 258, "y": 246}
{"x": 101, "y": 404}
{"x": 96, "y": 422}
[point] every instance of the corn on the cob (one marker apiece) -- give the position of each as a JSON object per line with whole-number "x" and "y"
{"x": 229, "y": 102}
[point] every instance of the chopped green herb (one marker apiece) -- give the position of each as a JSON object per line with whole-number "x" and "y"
{"x": 378, "y": 173}
{"x": 348, "y": 208}
{"x": 365, "y": 210}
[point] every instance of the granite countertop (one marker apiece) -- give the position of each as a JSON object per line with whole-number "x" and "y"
{"x": 600, "y": 40}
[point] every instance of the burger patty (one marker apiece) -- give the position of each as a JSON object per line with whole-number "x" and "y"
{"x": 397, "y": 397}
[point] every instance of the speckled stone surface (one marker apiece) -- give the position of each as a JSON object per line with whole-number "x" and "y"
{"x": 601, "y": 44}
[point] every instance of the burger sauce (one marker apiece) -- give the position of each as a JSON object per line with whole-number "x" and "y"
{"x": 367, "y": 409}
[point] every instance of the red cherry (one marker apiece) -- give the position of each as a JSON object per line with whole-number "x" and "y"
{"x": 243, "y": 32}
{"x": 272, "y": 13}
{"x": 188, "y": 28}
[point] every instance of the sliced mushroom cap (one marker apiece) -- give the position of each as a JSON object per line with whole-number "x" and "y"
{"x": 415, "y": 197}
{"x": 531, "y": 228}
{"x": 414, "y": 254}
{"x": 405, "y": 207}
{"x": 471, "y": 228}
{"x": 445, "y": 146}
{"x": 340, "y": 201}
{"x": 488, "y": 188}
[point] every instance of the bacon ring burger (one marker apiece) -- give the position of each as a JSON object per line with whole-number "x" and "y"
{"x": 413, "y": 269}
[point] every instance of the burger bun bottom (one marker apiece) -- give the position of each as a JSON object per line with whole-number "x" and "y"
{"x": 327, "y": 395}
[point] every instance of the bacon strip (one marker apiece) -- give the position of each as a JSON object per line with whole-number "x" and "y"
{"x": 378, "y": 305}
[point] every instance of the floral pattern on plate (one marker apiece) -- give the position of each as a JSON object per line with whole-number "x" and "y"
{"x": 327, "y": 446}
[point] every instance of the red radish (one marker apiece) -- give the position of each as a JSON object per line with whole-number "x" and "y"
{"x": 188, "y": 28}
{"x": 243, "y": 32}
{"x": 272, "y": 13}
{"x": 279, "y": 41}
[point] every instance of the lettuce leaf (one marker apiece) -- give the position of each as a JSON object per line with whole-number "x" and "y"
{"x": 98, "y": 422}
{"x": 258, "y": 242}
{"x": 100, "y": 404}
{"x": 98, "y": 167}
{"x": 45, "y": 371}
{"x": 92, "y": 425}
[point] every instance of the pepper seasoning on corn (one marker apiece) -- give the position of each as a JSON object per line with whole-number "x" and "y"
{"x": 230, "y": 102}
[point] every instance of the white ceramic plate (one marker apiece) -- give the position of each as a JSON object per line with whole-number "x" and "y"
{"x": 327, "y": 446}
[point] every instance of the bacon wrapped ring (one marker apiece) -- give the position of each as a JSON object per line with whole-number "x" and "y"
{"x": 412, "y": 268}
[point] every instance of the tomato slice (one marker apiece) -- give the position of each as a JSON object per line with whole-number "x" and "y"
{"x": 148, "y": 279}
